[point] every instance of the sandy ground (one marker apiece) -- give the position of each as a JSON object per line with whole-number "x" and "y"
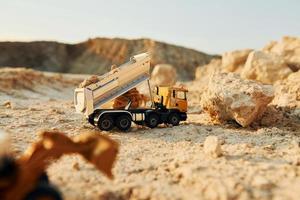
{"x": 162, "y": 163}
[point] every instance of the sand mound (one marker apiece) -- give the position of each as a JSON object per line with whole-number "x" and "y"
{"x": 22, "y": 78}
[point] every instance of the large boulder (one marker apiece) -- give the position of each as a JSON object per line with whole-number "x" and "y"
{"x": 289, "y": 49}
{"x": 265, "y": 67}
{"x": 228, "y": 97}
{"x": 235, "y": 60}
{"x": 164, "y": 75}
{"x": 287, "y": 91}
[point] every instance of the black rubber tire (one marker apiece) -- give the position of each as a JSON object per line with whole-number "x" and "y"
{"x": 91, "y": 119}
{"x": 123, "y": 122}
{"x": 44, "y": 191}
{"x": 140, "y": 123}
{"x": 44, "y": 178}
{"x": 152, "y": 120}
{"x": 9, "y": 171}
{"x": 174, "y": 119}
{"x": 106, "y": 123}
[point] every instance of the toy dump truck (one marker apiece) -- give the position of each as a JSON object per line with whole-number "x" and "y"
{"x": 168, "y": 104}
{"x": 25, "y": 178}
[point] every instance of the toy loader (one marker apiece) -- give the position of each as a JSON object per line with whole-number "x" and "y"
{"x": 25, "y": 178}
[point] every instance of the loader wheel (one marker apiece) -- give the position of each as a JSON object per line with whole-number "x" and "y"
{"x": 44, "y": 191}
{"x": 106, "y": 123}
{"x": 152, "y": 120}
{"x": 174, "y": 119}
{"x": 123, "y": 122}
{"x": 44, "y": 178}
{"x": 9, "y": 171}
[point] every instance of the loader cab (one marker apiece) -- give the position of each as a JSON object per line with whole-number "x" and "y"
{"x": 171, "y": 98}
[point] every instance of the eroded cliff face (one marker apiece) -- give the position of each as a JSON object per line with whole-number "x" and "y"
{"x": 95, "y": 56}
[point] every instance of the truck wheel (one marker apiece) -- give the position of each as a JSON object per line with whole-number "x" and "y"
{"x": 123, "y": 122}
{"x": 174, "y": 119}
{"x": 152, "y": 120}
{"x": 91, "y": 119}
{"x": 44, "y": 191}
{"x": 106, "y": 123}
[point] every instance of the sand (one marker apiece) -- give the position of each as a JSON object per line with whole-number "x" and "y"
{"x": 160, "y": 163}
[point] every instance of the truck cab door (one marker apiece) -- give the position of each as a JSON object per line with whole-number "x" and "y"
{"x": 180, "y": 100}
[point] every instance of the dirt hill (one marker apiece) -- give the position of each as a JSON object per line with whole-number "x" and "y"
{"x": 97, "y": 55}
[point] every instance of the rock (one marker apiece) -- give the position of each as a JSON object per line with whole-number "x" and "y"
{"x": 235, "y": 60}
{"x": 289, "y": 49}
{"x": 295, "y": 161}
{"x": 287, "y": 91}
{"x": 13, "y": 105}
{"x": 272, "y": 116}
{"x": 76, "y": 166}
{"x": 89, "y": 81}
{"x": 228, "y": 97}
{"x": 7, "y": 104}
{"x": 164, "y": 75}
{"x": 134, "y": 96}
{"x": 296, "y": 144}
{"x": 262, "y": 183}
{"x": 212, "y": 146}
{"x": 265, "y": 67}
{"x": 204, "y": 72}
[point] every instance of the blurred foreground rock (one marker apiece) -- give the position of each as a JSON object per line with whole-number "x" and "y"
{"x": 228, "y": 97}
{"x": 265, "y": 67}
{"x": 164, "y": 75}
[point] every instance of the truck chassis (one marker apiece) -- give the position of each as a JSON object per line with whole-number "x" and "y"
{"x": 107, "y": 119}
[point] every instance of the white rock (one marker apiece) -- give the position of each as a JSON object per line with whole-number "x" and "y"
{"x": 287, "y": 91}
{"x": 288, "y": 48}
{"x": 164, "y": 75}
{"x": 228, "y": 97}
{"x": 235, "y": 60}
{"x": 204, "y": 72}
{"x": 212, "y": 146}
{"x": 265, "y": 67}
{"x": 261, "y": 183}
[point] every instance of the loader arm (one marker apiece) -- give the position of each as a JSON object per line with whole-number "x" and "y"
{"x": 97, "y": 149}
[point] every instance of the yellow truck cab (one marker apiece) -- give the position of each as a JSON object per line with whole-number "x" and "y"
{"x": 171, "y": 97}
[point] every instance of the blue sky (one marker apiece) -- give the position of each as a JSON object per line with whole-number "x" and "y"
{"x": 212, "y": 26}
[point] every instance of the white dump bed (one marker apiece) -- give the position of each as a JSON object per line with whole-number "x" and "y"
{"x": 112, "y": 84}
